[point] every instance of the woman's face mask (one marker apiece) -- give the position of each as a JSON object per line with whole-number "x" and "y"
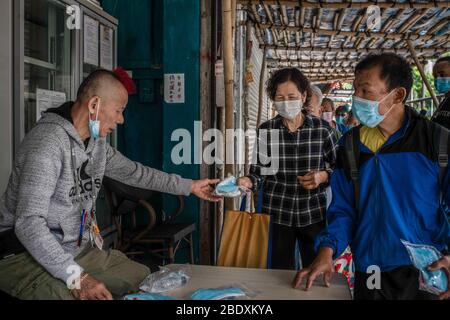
{"x": 327, "y": 116}
{"x": 289, "y": 109}
{"x": 367, "y": 111}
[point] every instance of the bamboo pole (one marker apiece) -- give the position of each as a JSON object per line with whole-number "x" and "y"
{"x": 439, "y": 25}
{"x": 228, "y": 62}
{"x": 248, "y": 39}
{"x": 391, "y": 21}
{"x": 284, "y": 15}
{"x": 348, "y": 5}
{"x": 206, "y": 224}
{"x": 411, "y": 22}
{"x": 261, "y": 88}
{"x": 422, "y": 73}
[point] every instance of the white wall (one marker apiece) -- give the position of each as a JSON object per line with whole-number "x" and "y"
{"x": 6, "y": 92}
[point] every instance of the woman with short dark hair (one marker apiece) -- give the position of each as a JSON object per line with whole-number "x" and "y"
{"x": 294, "y": 194}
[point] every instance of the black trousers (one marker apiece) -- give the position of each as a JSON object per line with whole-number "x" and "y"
{"x": 283, "y": 245}
{"x": 398, "y": 284}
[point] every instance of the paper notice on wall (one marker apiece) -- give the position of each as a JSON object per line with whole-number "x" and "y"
{"x": 174, "y": 88}
{"x": 106, "y": 47}
{"x": 91, "y": 41}
{"x": 46, "y": 99}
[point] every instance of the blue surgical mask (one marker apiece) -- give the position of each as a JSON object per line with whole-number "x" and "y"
{"x": 340, "y": 120}
{"x": 218, "y": 294}
{"x": 442, "y": 84}
{"x": 228, "y": 188}
{"x": 94, "y": 126}
{"x": 147, "y": 296}
{"x": 367, "y": 111}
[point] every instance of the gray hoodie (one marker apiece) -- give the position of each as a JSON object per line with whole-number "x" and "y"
{"x": 40, "y": 202}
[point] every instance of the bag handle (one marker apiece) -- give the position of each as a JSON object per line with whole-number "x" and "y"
{"x": 260, "y": 200}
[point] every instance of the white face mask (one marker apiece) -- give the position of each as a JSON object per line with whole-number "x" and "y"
{"x": 289, "y": 109}
{"x": 327, "y": 116}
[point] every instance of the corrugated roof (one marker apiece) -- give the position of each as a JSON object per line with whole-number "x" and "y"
{"x": 326, "y": 38}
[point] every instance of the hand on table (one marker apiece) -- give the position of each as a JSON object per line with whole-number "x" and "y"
{"x": 323, "y": 264}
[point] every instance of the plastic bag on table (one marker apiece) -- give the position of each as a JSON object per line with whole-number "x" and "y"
{"x": 422, "y": 256}
{"x": 166, "y": 280}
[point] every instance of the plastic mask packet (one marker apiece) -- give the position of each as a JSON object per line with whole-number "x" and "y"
{"x": 229, "y": 189}
{"x": 218, "y": 294}
{"x": 422, "y": 256}
{"x": 165, "y": 280}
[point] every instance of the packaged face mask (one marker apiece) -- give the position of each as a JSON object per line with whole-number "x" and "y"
{"x": 218, "y": 294}
{"x": 165, "y": 280}
{"x": 147, "y": 296}
{"x": 229, "y": 189}
{"x": 422, "y": 256}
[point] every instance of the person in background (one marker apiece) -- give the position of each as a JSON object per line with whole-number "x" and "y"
{"x": 441, "y": 73}
{"x": 341, "y": 118}
{"x": 328, "y": 111}
{"x": 352, "y": 121}
{"x": 328, "y": 114}
{"x": 314, "y": 103}
{"x": 294, "y": 194}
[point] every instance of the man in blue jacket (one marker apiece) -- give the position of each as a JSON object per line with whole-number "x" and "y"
{"x": 403, "y": 186}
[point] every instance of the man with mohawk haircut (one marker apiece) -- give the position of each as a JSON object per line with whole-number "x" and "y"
{"x": 50, "y": 243}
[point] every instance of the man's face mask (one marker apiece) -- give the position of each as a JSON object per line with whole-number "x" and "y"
{"x": 94, "y": 125}
{"x": 367, "y": 111}
{"x": 289, "y": 109}
{"x": 442, "y": 84}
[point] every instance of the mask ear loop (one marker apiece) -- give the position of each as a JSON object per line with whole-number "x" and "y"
{"x": 392, "y": 107}
{"x": 98, "y": 108}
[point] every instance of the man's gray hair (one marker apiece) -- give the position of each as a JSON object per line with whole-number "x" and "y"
{"x": 318, "y": 93}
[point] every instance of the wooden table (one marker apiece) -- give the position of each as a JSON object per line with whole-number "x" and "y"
{"x": 266, "y": 284}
